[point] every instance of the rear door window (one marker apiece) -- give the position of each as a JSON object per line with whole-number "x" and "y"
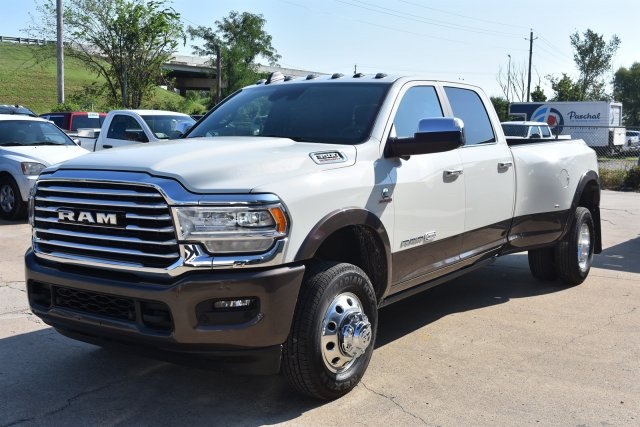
{"x": 126, "y": 128}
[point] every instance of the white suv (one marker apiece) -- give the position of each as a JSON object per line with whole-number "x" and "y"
{"x": 632, "y": 141}
{"x": 27, "y": 146}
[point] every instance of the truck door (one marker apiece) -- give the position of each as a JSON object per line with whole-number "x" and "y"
{"x": 488, "y": 169}
{"x": 123, "y": 130}
{"x": 428, "y": 197}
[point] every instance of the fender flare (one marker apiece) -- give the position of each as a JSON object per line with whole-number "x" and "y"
{"x": 586, "y": 179}
{"x": 337, "y": 220}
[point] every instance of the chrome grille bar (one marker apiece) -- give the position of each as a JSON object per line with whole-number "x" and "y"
{"x": 99, "y": 192}
{"x": 100, "y": 203}
{"x": 105, "y": 249}
{"x": 78, "y": 235}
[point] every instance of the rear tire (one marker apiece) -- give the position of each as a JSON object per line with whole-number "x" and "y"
{"x": 333, "y": 331}
{"x": 542, "y": 264}
{"x": 11, "y": 205}
{"x": 574, "y": 255}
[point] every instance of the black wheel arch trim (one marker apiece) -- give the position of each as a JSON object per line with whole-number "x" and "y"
{"x": 340, "y": 219}
{"x": 586, "y": 179}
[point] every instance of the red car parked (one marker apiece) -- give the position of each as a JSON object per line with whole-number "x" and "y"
{"x": 71, "y": 121}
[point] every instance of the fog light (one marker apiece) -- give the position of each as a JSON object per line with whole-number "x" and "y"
{"x": 232, "y": 311}
{"x": 233, "y": 303}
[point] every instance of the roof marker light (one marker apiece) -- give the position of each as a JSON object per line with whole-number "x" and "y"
{"x": 275, "y": 77}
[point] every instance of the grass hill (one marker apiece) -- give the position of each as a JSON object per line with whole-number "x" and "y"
{"x": 26, "y": 81}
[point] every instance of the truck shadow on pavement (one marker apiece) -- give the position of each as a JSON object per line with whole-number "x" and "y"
{"x": 496, "y": 284}
{"x": 48, "y": 379}
{"x": 6, "y": 222}
{"x": 624, "y": 256}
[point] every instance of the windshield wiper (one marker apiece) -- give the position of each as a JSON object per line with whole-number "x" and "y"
{"x": 46, "y": 143}
{"x": 294, "y": 138}
{"x": 10, "y": 144}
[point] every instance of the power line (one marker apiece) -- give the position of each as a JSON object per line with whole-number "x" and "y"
{"x": 463, "y": 16}
{"x": 421, "y": 19}
{"x": 484, "y": 46}
{"x": 555, "y": 49}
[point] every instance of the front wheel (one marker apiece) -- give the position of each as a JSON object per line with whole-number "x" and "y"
{"x": 333, "y": 331}
{"x": 574, "y": 255}
{"x": 11, "y": 205}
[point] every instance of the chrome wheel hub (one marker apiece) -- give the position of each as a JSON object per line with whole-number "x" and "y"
{"x": 346, "y": 332}
{"x": 7, "y": 198}
{"x": 584, "y": 247}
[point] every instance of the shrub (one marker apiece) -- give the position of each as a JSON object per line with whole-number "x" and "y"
{"x": 612, "y": 179}
{"x": 632, "y": 178}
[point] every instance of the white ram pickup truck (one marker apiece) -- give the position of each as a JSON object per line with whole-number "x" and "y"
{"x": 294, "y": 210}
{"x": 126, "y": 127}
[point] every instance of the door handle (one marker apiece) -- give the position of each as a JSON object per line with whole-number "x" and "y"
{"x": 452, "y": 172}
{"x": 507, "y": 164}
{"x": 107, "y": 146}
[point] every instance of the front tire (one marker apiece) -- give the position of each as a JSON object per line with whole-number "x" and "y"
{"x": 11, "y": 205}
{"x": 333, "y": 331}
{"x": 574, "y": 255}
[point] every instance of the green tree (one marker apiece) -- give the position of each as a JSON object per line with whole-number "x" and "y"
{"x": 538, "y": 95}
{"x": 501, "y": 106}
{"x": 593, "y": 58}
{"x": 242, "y": 40}
{"x": 626, "y": 89}
{"x": 565, "y": 88}
{"x": 124, "y": 41}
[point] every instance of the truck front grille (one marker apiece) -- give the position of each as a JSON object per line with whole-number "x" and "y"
{"x": 105, "y": 223}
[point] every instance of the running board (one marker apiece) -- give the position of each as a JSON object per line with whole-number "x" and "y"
{"x": 435, "y": 282}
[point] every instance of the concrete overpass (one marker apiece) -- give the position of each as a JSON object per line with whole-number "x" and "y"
{"x": 196, "y": 73}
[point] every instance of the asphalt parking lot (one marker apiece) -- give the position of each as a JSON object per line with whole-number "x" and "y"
{"x": 494, "y": 347}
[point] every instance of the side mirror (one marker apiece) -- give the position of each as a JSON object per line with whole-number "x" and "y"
{"x": 435, "y": 135}
{"x": 77, "y": 141}
{"x": 535, "y": 136}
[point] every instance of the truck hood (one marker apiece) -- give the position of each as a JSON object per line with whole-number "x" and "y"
{"x": 220, "y": 164}
{"x": 46, "y": 154}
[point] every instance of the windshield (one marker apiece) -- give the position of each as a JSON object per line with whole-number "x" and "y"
{"x": 515, "y": 130}
{"x": 337, "y": 113}
{"x": 167, "y": 127}
{"x": 27, "y": 132}
{"x": 89, "y": 121}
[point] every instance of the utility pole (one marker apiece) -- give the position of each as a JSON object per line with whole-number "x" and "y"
{"x": 531, "y": 39}
{"x": 60, "y": 52}
{"x": 218, "y": 75}
{"x": 508, "y": 77}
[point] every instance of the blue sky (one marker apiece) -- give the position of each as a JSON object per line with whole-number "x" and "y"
{"x": 451, "y": 40}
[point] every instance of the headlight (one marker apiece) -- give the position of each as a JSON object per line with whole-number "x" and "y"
{"x": 244, "y": 229}
{"x": 32, "y": 168}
